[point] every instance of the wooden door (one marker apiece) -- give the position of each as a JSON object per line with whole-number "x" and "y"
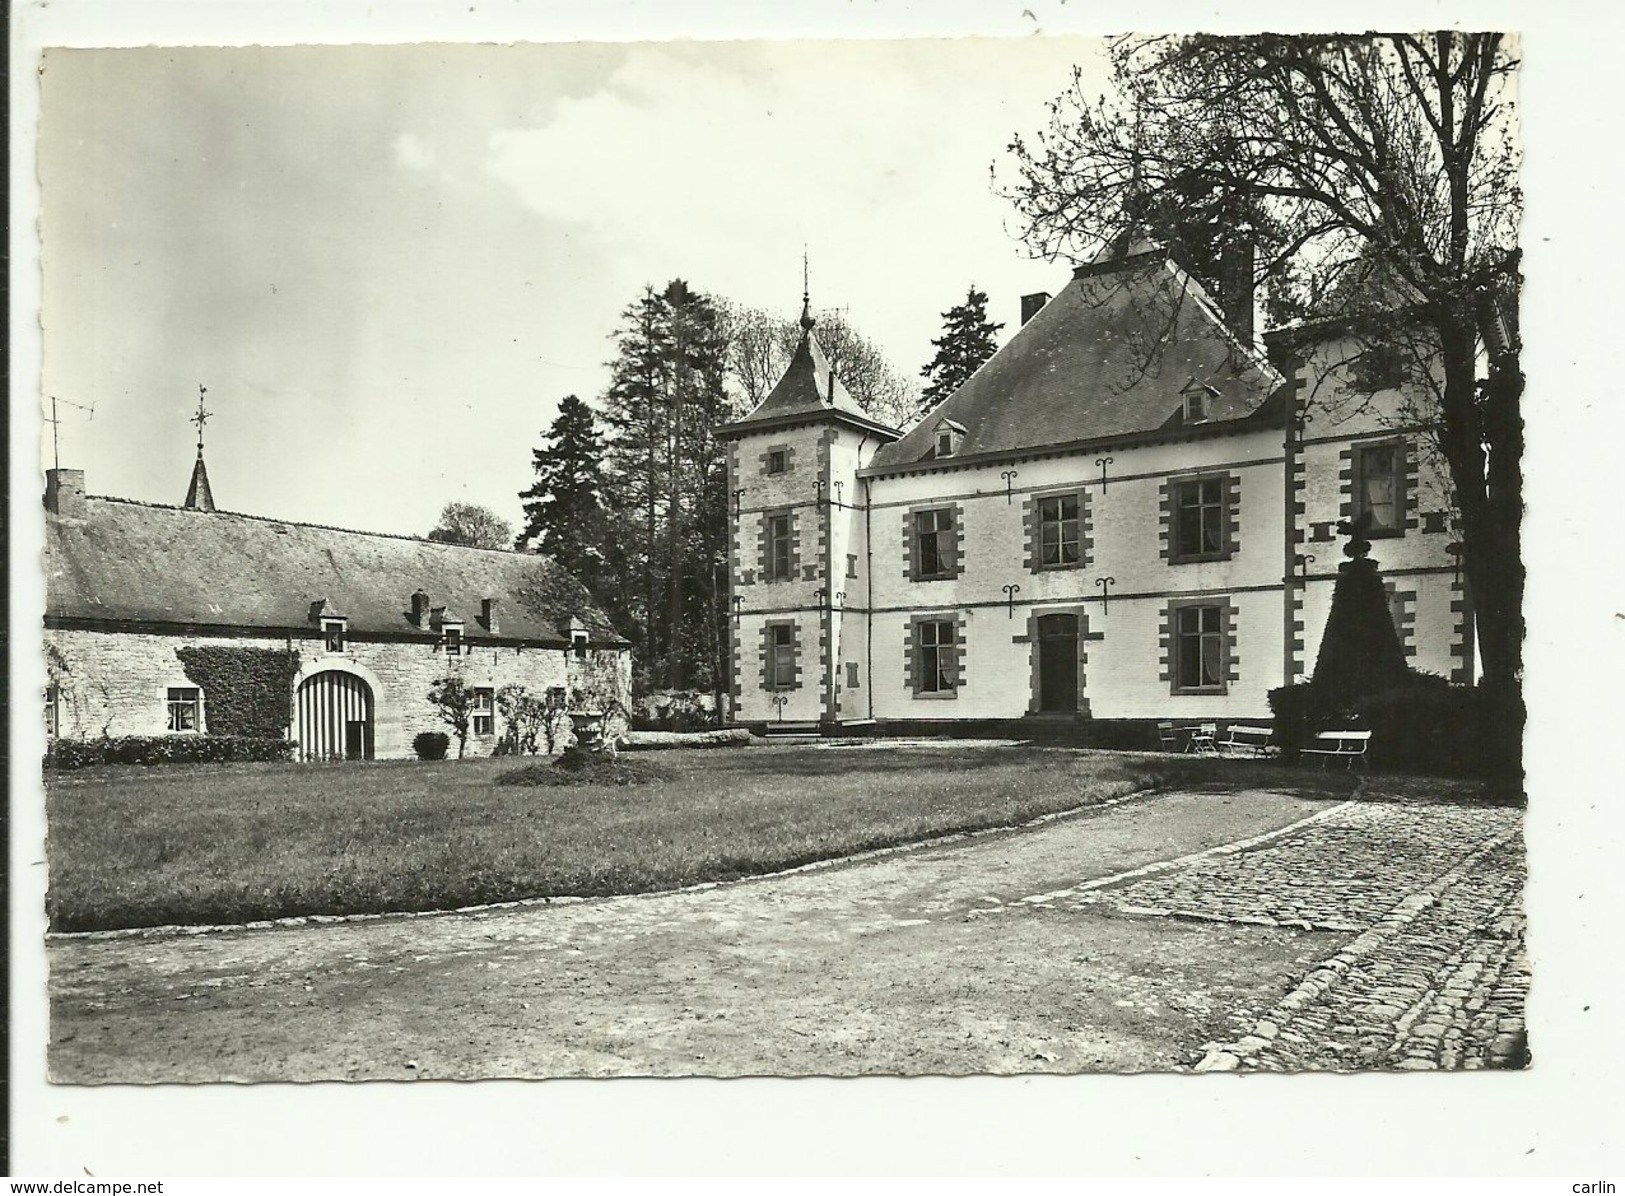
{"x": 1058, "y": 663}
{"x": 335, "y": 717}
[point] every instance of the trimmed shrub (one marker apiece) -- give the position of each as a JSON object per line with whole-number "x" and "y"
{"x": 1429, "y": 726}
{"x": 1293, "y": 708}
{"x": 165, "y": 749}
{"x": 431, "y": 745}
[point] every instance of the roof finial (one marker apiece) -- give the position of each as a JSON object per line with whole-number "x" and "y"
{"x": 201, "y": 418}
{"x": 807, "y": 320}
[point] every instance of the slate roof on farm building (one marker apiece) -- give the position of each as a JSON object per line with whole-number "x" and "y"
{"x": 125, "y": 561}
{"x": 1112, "y": 355}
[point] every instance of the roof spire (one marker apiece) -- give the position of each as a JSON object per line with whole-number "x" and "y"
{"x": 199, "y": 497}
{"x": 807, "y": 320}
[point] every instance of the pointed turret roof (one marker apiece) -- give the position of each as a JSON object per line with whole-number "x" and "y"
{"x": 809, "y": 387}
{"x": 198, "y": 495}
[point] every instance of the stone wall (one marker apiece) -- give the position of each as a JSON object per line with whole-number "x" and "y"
{"x": 116, "y": 683}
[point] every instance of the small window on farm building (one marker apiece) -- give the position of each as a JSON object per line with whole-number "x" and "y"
{"x": 776, "y": 460}
{"x": 484, "y": 711}
{"x": 578, "y": 642}
{"x": 1379, "y": 486}
{"x": 555, "y": 695}
{"x": 781, "y": 665}
{"x": 333, "y": 634}
{"x": 933, "y": 543}
{"x": 935, "y": 640}
{"x": 1199, "y": 519}
{"x": 185, "y": 709}
{"x": 51, "y": 698}
{"x": 453, "y": 637}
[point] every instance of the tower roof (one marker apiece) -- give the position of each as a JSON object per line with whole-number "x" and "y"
{"x": 198, "y": 495}
{"x": 808, "y": 387}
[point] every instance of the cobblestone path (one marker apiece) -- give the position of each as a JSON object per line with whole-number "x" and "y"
{"x": 1437, "y": 976}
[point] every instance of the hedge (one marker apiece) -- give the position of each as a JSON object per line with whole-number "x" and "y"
{"x": 1424, "y": 725}
{"x": 165, "y": 749}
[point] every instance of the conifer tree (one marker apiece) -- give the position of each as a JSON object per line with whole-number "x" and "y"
{"x": 564, "y": 511}
{"x": 967, "y": 341}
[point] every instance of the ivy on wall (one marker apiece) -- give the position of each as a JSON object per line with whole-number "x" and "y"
{"x": 246, "y": 691}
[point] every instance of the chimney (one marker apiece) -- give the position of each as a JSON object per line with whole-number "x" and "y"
{"x": 1238, "y": 291}
{"x": 420, "y": 609}
{"x": 65, "y": 492}
{"x": 488, "y": 615}
{"x": 1032, "y": 304}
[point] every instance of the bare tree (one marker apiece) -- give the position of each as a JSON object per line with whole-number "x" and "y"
{"x": 1379, "y": 175}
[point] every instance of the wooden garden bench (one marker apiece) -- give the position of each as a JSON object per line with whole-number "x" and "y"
{"x": 1245, "y": 742}
{"x": 1340, "y": 745}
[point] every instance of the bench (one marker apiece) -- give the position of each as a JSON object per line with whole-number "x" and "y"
{"x": 1246, "y": 742}
{"x": 1342, "y": 745}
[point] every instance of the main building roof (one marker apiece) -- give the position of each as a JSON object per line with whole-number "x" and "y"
{"x": 1112, "y": 355}
{"x": 134, "y": 562}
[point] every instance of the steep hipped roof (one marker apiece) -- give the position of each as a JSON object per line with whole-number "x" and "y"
{"x": 809, "y": 387}
{"x": 199, "y": 495}
{"x": 133, "y": 562}
{"x": 1112, "y": 355}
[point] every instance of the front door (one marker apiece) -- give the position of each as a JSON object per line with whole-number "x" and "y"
{"x": 1058, "y": 663}
{"x": 355, "y": 740}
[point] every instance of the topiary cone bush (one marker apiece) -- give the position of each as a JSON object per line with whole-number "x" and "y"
{"x": 1360, "y": 653}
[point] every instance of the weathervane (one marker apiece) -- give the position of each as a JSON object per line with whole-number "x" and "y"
{"x": 202, "y": 417}
{"x": 806, "y": 292}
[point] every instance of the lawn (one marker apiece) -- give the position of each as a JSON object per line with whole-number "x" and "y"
{"x": 190, "y": 844}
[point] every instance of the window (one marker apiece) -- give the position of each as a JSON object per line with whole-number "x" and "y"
{"x": 555, "y": 696}
{"x": 1199, "y": 647}
{"x": 776, "y": 461}
{"x": 851, "y": 564}
{"x": 333, "y": 634}
{"x": 933, "y": 538}
{"x": 185, "y": 709}
{"x": 1058, "y": 530}
{"x": 780, "y": 566}
{"x": 852, "y": 674}
{"x": 945, "y": 443}
{"x": 781, "y": 661}
{"x": 453, "y": 638}
{"x": 948, "y": 434}
{"x": 578, "y": 641}
{"x": 50, "y": 711}
{"x": 484, "y": 722}
{"x": 935, "y": 644}
{"x": 1199, "y": 519}
{"x": 1378, "y": 487}
{"x": 1195, "y": 406}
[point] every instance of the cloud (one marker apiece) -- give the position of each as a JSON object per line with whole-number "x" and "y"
{"x": 719, "y": 164}
{"x": 413, "y": 153}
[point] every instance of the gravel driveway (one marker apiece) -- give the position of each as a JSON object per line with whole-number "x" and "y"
{"x": 885, "y": 966}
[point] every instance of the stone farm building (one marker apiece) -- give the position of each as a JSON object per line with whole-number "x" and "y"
{"x": 1128, "y": 513}
{"x": 188, "y": 620}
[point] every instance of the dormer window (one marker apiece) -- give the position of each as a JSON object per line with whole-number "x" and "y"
{"x": 1197, "y": 402}
{"x": 451, "y": 635}
{"x": 949, "y": 435}
{"x": 578, "y": 642}
{"x": 334, "y": 630}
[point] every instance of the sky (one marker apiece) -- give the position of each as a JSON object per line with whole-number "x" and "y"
{"x": 388, "y": 264}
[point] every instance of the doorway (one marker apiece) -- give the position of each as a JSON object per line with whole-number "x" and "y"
{"x": 1058, "y": 664}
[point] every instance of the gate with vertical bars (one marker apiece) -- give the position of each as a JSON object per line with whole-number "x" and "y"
{"x": 335, "y": 717}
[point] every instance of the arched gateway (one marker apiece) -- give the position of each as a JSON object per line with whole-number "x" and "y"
{"x": 334, "y": 716}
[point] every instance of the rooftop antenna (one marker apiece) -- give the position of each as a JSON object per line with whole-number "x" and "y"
{"x": 202, "y": 417}
{"x": 55, "y": 421}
